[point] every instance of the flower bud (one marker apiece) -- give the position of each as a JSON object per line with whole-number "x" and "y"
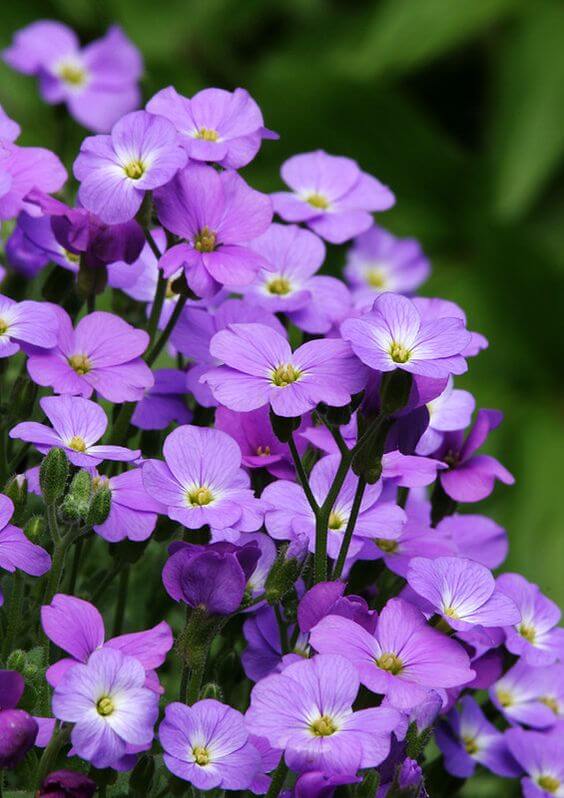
{"x": 35, "y": 529}
{"x": 142, "y": 776}
{"x": 100, "y": 507}
{"x": 16, "y": 489}
{"x": 284, "y": 427}
{"x": 22, "y": 398}
{"x": 211, "y": 690}
{"x": 18, "y": 731}
{"x": 67, "y": 784}
{"x": 16, "y": 661}
{"x": 282, "y": 577}
{"x": 53, "y": 475}
{"x": 77, "y": 501}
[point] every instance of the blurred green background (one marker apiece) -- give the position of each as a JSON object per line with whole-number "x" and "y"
{"x": 458, "y": 105}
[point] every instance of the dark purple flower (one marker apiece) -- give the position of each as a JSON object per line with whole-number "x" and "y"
{"x": 67, "y": 784}
{"x": 327, "y": 598}
{"x": 263, "y": 654}
{"x": 164, "y": 402}
{"x": 316, "y": 784}
{"x": 18, "y": 729}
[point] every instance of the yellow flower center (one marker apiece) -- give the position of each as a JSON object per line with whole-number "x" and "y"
{"x": 528, "y": 632}
{"x": 72, "y": 74}
{"x": 550, "y": 702}
{"x": 72, "y": 257}
{"x": 80, "y": 363}
{"x": 207, "y": 134}
{"x": 390, "y": 662}
{"x": 205, "y": 241}
{"x": 279, "y": 286}
{"x": 201, "y": 755}
{"x": 549, "y": 783}
{"x": 169, "y": 293}
{"x": 375, "y": 278}
{"x": 335, "y": 521}
{"x": 3, "y": 326}
{"x": 323, "y": 726}
{"x": 399, "y": 353}
{"x": 199, "y": 497}
{"x": 263, "y": 451}
{"x": 505, "y": 698}
{"x": 77, "y": 443}
{"x": 105, "y": 706}
{"x": 134, "y": 170}
{"x": 318, "y": 201}
{"x": 387, "y": 546}
{"x": 285, "y": 374}
{"x": 471, "y": 745}
{"x": 450, "y": 612}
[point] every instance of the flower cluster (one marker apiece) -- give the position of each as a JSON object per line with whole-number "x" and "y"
{"x": 235, "y": 550}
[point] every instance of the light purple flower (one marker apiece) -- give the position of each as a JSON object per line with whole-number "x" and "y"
{"x": 201, "y": 481}
{"x": 141, "y": 153}
{"x": 16, "y": 551}
{"x": 403, "y": 660}
{"x": 392, "y": 335}
{"x": 533, "y": 696}
{"x": 133, "y": 513}
{"x": 536, "y": 637}
{"x": 27, "y": 322}
{"x": 466, "y": 738}
{"x": 331, "y": 194}
{"x": 108, "y": 704}
{"x": 462, "y": 591}
{"x": 260, "y": 368}
{"x": 291, "y": 515}
{"x": 217, "y": 215}
{"x": 378, "y": 261}
{"x": 101, "y": 354}
{"x": 9, "y": 129}
{"x": 476, "y": 537}
{"x": 208, "y": 745}
{"x": 318, "y": 729}
{"x": 215, "y": 125}
{"x": 99, "y": 83}
{"x": 541, "y": 756}
{"x": 164, "y": 402}
{"x": 450, "y": 411}
{"x": 77, "y": 424}
{"x": 436, "y": 308}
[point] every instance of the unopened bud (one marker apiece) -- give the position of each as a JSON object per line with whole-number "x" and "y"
{"x": 16, "y": 489}
{"x": 284, "y": 427}
{"x": 211, "y": 690}
{"x": 16, "y": 661}
{"x": 77, "y": 501}
{"x": 35, "y": 529}
{"x": 100, "y": 507}
{"x": 53, "y": 475}
{"x": 282, "y": 577}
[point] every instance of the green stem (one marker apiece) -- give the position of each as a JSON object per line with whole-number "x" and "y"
{"x": 119, "y": 430}
{"x": 121, "y": 602}
{"x": 344, "y": 550}
{"x": 166, "y": 333}
{"x": 157, "y": 304}
{"x": 302, "y": 474}
{"x": 106, "y": 581}
{"x": 58, "y": 561}
{"x": 75, "y": 566}
{"x": 196, "y": 676}
{"x": 52, "y": 523}
{"x": 4, "y": 465}
{"x": 14, "y": 613}
{"x": 50, "y": 754}
{"x": 322, "y": 520}
{"x": 278, "y": 779}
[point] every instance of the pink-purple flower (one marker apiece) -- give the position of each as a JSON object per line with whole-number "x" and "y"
{"x": 18, "y": 730}
{"x": 16, "y": 551}
{"x": 133, "y": 513}
{"x": 541, "y": 757}
{"x": 26, "y": 322}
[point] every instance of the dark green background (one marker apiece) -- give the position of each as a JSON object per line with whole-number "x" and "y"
{"x": 459, "y": 106}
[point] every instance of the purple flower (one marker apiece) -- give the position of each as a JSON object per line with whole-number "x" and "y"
{"x": 315, "y": 784}
{"x": 331, "y": 194}
{"x": 450, "y": 411}
{"x": 32, "y": 245}
{"x": 541, "y": 756}
{"x": 109, "y": 706}
{"x": 9, "y": 130}
{"x": 403, "y": 660}
{"x": 102, "y": 354}
{"x": 16, "y": 551}
{"x": 164, "y": 402}
{"x": 436, "y": 308}
{"x": 533, "y": 696}
{"x": 133, "y": 513}
{"x": 77, "y": 425}
{"x": 201, "y": 481}
{"x": 392, "y": 335}
{"x": 99, "y": 83}
{"x": 26, "y": 322}
{"x": 77, "y": 628}
{"x": 476, "y": 537}
{"x": 141, "y": 153}
{"x": 378, "y": 261}
{"x": 467, "y": 738}
{"x": 18, "y": 729}
{"x": 263, "y": 654}
{"x": 536, "y": 638}
{"x": 260, "y": 368}
{"x": 291, "y": 515}
{"x": 213, "y": 577}
{"x": 327, "y": 598}
{"x": 290, "y": 285}
{"x": 462, "y": 591}
{"x": 215, "y": 125}
{"x": 208, "y": 745}
{"x": 471, "y": 477}
{"x": 217, "y": 215}
{"x": 67, "y": 784}
{"x": 317, "y": 728}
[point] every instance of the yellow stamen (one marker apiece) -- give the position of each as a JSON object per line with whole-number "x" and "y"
{"x": 205, "y": 241}
{"x": 134, "y": 170}
{"x": 550, "y": 702}
{"x": 72, "y": 74}
{"x": 201, "y": 755}
{"x": 387, "y": 546}
{"x": 528, "y": 632}
{"x": 105, "y": 706}
{"x": 450, "y": 612}
{"x": 390, "y": 662}
{"x": 72, "y": 257}
{"x": 263, "y": 451}
{"x": 399, "y": 353}
{"x": 505, "y": 698}
{"x": 318, "y": 201}
{"x": 323, "y": 726}
{"x": 471, "y": 745}
{"x": 80, "y": 363}
{"x": 77, "y": 443}
{"x": 199, "y": 496}
{"x": 335, "y": 521}
{"x": 207, "y": 134}
{"x": 3, "y": 326}
{"x": 279, "y": 286}
{"x": 285, "y": 374}
{"x": 549, "y": 783}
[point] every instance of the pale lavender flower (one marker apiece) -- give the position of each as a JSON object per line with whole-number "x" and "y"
{"x": 450, "y": 411}
{"x": 164, "y": 402}
{"x": 541, "y": 756}
{"x": 533, "y": 696}
{"x": 436, "y": 308}
{"x": 27, "y": 322}
{"x": 16, "y": 551}
{"x": 476, "y": 537}
{"x": 133, "y": 513}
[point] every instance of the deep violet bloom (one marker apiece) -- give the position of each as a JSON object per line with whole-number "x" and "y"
{"x": 67, "y": 784}
{"x": 32, "y": 245}
{"x": 290, "y": 513}
{"x": 313, "y": 302}
{"x": 327, "y": 598}
{"x": 316, "y": 784}
{"x": 18, "y": 729}
{"x": 27, "y": 322}
{"x": 533, "y": 696}
{"x": 541, "y": 756}
{"x": 208, "y": 745}
{"x": 450, "y": 411}
{"x": 164, "y": 402}
{"x": 103, "y": 354}
{"x": 77, "y": 424}
{"x": 462, "y": 591}
{"x": 76, "y": 627}
{"x": 331, "y": 195}
{"x": 141, "y": 153}
{"x": 217, "y": 215}
{"x": 379, "y": 261}
{"x": 260, "y": 368}
{"x": 318, "y": 729}
{"x": 403, "y": 660}
{"x": 16, "y": 551}
{"x": 201, "y": 481}
{"x": 536, "y": 637}
{"x": 466, "y": 738}
{"x": 225, "y": 127}
{"x": 213, "y": 577}
{"x": 99, "y": 83}
{"x": 108, "y": 704}
{"x": 471, "y": 477}
{"x": 263, "y": 654}
{"x": 133, "y": 512}
{"x": 476, "y": 537}
{"x": 392, "y": 335}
